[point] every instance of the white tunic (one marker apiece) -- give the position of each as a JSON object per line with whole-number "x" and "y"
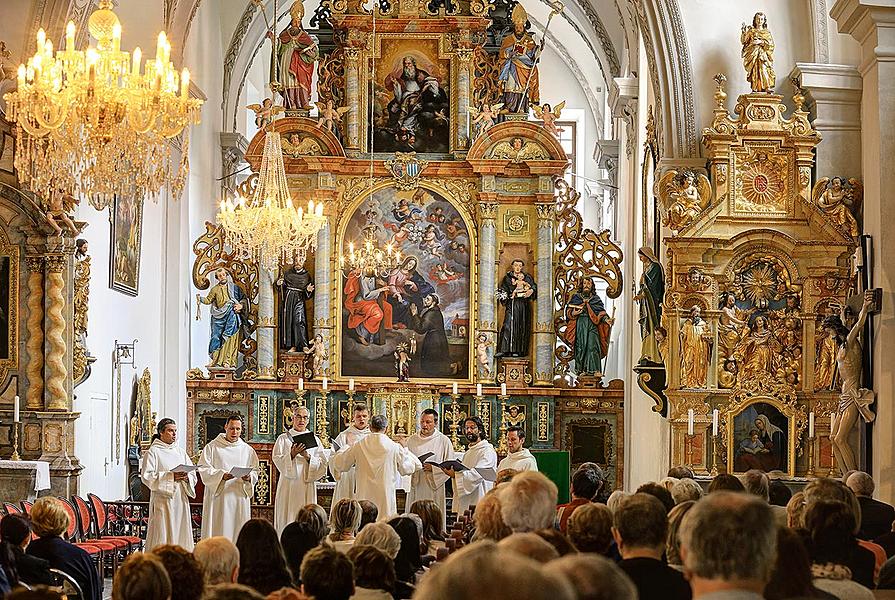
{"x": 470, "y": 486}
{"x": 297, "y": 483}
{"x": 379, "y": 461}
{"x": 520, "y": 461}
{"x": 227, "y": 504}
{"x": 429, "y": 486}
{"x": 346, "y": 483}
{"x": 169, "y": 505}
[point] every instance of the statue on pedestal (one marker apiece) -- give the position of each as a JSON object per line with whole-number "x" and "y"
{"x": 696, "y": 350}
{"x": 518, "y": 65}
{"x": 295, "y": 57}
{"x": 296, "y": 288}
{"x": 588, "y": 329}
{"x": 650, "y": 295}
{"x": 516, "y": 292}
{"x": 758, "y": 54}
{"x": 226, "y": 300}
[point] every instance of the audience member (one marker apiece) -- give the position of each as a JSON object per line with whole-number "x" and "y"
{"x": 668, "y": 482}
{"x": 887, "y": 576}
{"x": 408, "y": 561}
{"x": 433, "y": 524}
{"x": 528, "y": 502}
{"x": 660, "y": 492}
{"x": 261, "y": 562}
{"x": 681, "y": 472}
{"x": 728, "y": 544}
{"x": 344, "y": 522}
{"x": 219, "y": 558}
{"x": 369, "y": 512}
{"x": 327, "y": 574}
{"x": 778, "y": 493}
{"x": 726, "y": 482}
{"x": 616, "y": 498}
{"x": 585, "y": 486}
{"x": 831, "y": 524}
{"x": 686, "y": 490}
{"x": 50, "y": 520}
{"x": 531, "y": 545}
{"x": 673, "y": 539}
{"x": 15, "y": 535}
{"x": 382, "y": 536}
{"x": 231, "y": 591}
{"x": 590, "y": 528}
{"x": 601, "y": 477}
{"x": 791, "y": 577}
{"x": 488, "y": 519}
{"x": 876, "y": 516}
{"x": 795, "y": 511}
{"x": 297, "y": 540}
{"x": 141, "y": 577}
{"x": 374, "y": 573}
{"x": 556, "y": 539}
{"x": 593, "y": 577}
{"x": 183, "y": 570}
{"x": 640, "y": 529}
{"x": 757, "y": 483}
{"x": 39, "y": 592}
{"x": 505, "y": 475}
{"x": 315, "y": 516}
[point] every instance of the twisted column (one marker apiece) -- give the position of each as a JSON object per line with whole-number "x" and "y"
{"x": 34, "y": 369}
{"x": 57, "y": 398}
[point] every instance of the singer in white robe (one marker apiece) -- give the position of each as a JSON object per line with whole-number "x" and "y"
{"x": 428, "y": 483}
{"x": 227, "y": 502}
{"x": 518, "y": 458}
{"x": 469, "y": 485}
{"x": 379, "y": 461}
{"x": 299, "y": 471}
{"x": 169, "y": 505}
{"x": 346, "y": 483}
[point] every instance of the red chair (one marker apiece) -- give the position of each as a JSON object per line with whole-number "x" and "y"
{"x": 97, "y": 550}
{"x": 26, "y": 507}
{"x": 11, "y": 509}
{"x": 87, "y": 530}
{"x": 103, "y": 521}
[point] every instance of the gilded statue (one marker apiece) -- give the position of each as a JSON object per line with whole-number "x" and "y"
{"x": 292, "y": 70}
{"x": 650, "y": 295}
{"x": 696, "y": 350}
{"x": 683, "y": 195}
{"x": 81, "y": 281}
{"x": 758, "y": 54}
{"x": 731, "y": 323}
{"x": 854, "y": 400}
{"x": 759, "y": 350}
{"x": 227, "y": 303}
{"x": 518, "y": 56}
{"x": 839, "y": 200}
{"x": 825, "y": 350}
{"x": 518, "y": 150}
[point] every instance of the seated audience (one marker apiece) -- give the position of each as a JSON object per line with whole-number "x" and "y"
{"x": 315, "y": 516}
{"x": 530, "y": 545}
{"x": 219, "y": 558}
{"x": 593, "y": 577}
{"x": 231, "y": 591}
{"x": 795, "y": 511}
{"x": 831, "y": 525}
{"x": 261, "y": 562}
{"x": 779, "y": 493}
{"x": 344, "y": 522}
{"x": 616, "y": 498}
{"x": 369, "y": 513}
{"x": 17, "y": 566}
{"x": 49, "y": 520}
{"x": 726, "y": 482}
{"x": 488, "y": 519}
{"x": 601, "y": 477}
{"x": 528, "y": 502}
{"x": 556, "y": 539}
{"x": 408, "y": 561}
{"x": 297, "y": 540}
{"x": 141, "y": 577}
{"x": 668, "y": 482}
{"x": 876, "y": 516}
{"x": 374, "y": 573}
{"x": 791, "y": 577}
{"x": 681, "y": 472}
{"x": 327, "y": 574}
{"x": 590, "y": 528}
{"x": 757, "y": 483}
{"x": 382, "y": 536}
{"x": 183, "y": 570}
{"x": 728, "y": 543}
{"x": 686, "y": 490}
{"x": 673, "y": 539}
{"x": 505, "y": 475}
{"x": 433, "y": 524}
{"x": 660, "y": 492}
{"x": 585, "y": 486}
{"x": 640, "y": 529}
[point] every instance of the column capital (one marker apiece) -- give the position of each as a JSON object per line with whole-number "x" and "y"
{"x": 35, "y": 263}
{"x": 55, "y": 263}
{"x": 488, "y": 210}
{"x": 872, "y": 24}
{"x": 825, "y": 82}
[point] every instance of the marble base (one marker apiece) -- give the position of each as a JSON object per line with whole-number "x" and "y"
{"x": 515, "y": 372}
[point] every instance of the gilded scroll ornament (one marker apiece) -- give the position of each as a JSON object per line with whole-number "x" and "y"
{"x": 81, "y": 356}
{"x": 840, "y": 200}
{"x": 683, "y": 196}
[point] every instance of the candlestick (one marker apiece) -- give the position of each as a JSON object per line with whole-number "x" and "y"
{"x": 502, "y": 444}
{"x": 716, "y": 441}
{"x": 300, "y": 396}
{"x": 15, "y": 443}
{"x": 811, "y": 425}
{"x": 688, "y": 443}
{"x": 478, "y": 389}
{"x": 811, "y": 472}
{"x": 455, "y": 425}
{"x": 689, "y": 421}
{"x": 715, "y": 423}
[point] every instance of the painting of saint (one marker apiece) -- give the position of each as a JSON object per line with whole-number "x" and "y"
{"x": 410, "y": 96}
{"x": 127, "y": 231}
{"x": 4, "y": 307}
{"x": 761, "y": 439}
{"x": 421, "y": 298}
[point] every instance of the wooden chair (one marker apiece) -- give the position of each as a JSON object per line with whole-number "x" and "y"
{"x": 103, "y": 522}
{"x": 98, "y": 551}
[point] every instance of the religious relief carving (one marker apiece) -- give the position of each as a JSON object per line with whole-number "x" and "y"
{"x": 683, "y": 196}
{"x": 762, "y": 180}
{"x": 840, "y": 200}
{"x": 518, "y": 150}
{"x": 295, "y": 146}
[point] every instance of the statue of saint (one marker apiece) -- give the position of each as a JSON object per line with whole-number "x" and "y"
{"x": 696, "y": 350}
{"x": 853, "y": 400}
{"x": 226, "y": 300}
{"x": 650, "y": 295}
{"x": 296, "y": 288}
{"x": 759, "y": 350}
{"x": 731, "y": 323}
{"x": 758, "y": 54}
{"x": 587, "y": 332}
{"x": 294, "y": 67}
{"x": 516, "y": 292}
{"x": 518, "y": 70}
{"x": 837, "y": 200}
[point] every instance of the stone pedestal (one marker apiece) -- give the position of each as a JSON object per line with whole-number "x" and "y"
{"x": 515, "y": 372}
{"x": 294, "y": 366}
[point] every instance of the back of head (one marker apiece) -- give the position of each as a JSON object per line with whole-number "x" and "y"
{"x": 488, "y": 518}
{"x": 48, "y": 517}
{"x": 378, "y": 423}
{"x": 372, "y": 568}
{"x": 382, "y": 536}
{"x": 344, "y": 518}
{"x": 641, "y": 522}
{"x": 219, "y": 558}
{"x": 791, "y": 577}
{"x": 660, "y": 492}
{"x": 726, "y": 482}
{"x": 729, "y": 536}
{"x": 38, "y": 592}
{"x": 586, "y": 484}
{"x": 616, "y": 498}
{"x": 861, "y": 484}
{"x": 528, "y": 502}
{"x": 668, "y": 482}
{"x": 673, "y": 539}
{"x": 756, "y": 483}
{"x": 433, "y": 519}
{"x": 833, "y": 489}
{"x": 141, "y": 577}
{"x": 593, "y": 577}
{"x": 15, "y": 529}
{"x": 778, "y": 493}
{"x": 183, "y": 570}
{"x": 315, "y": 516}
{"x": 686, "y": 490}
{"x": 297, "y": 540}
{"x": 261, "y": 561}
{"x": 327, "y": 574}
{"x": 831, "y": 525}
{"x": 231, "y": 591}
{"x": 795, "y": 511}
{"x": 483, "y": 570}
{"x": 369, "y": 512}
{"x": 531, "y": 545}
{"x": 590, "y": 528}
{"x": 556, "y": 539}
{"x": 408, "y": 560}
{"x": 681, "y": 472}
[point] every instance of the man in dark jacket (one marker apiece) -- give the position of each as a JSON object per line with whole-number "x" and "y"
{"x": 876, "y": 516}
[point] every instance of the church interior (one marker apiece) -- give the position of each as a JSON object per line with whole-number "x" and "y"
{"x": 644, "y": 234}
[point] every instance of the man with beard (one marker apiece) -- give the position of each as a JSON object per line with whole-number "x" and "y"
{"x": 587, "y": 332}
{"x": 434, "y": 352}
{"x": 470, "y": 487}
{"x": 407, "y": 88}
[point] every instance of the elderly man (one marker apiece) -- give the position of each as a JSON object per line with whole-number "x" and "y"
{"x": 518, "y": 458}
{"x": 219, "y": 559}
{"x": 728, "y": 546}
{"x": 528, "y": 502}
{"x": 469, "y": 485}
{"x": 299, "y": 468}
{"x": 876, "y": 516}
{"x": 346, "y": 482}
{"x": 379, "y": 461}
{"x": 428, "y": 484}
{"x": 757, "y": 483}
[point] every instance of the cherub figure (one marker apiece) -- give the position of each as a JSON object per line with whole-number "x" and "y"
{"x": 58, "y": 207}
{"x": 840, "y": 201}
{"x": 483, "y": 355}
{"x": 319, "y": 353}
{"x": 265, "y": 112}
{"x": 402, "y": 362}
{"x": 520, "y": 286}
{"x": 549, "y": 116}
{"x": 330, "y": 116}
{"x": 684, "y": 195}
{"x": 484, "y": 118}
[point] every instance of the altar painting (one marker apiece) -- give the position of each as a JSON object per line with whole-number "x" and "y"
{"x": 761, "y": 435}
{"x": 4, "y": 307}
{"x": 127, "y": 230}
{"x": 421, "y": 301}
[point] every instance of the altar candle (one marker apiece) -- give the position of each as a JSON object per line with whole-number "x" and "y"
{"x": 811, "y": 424}
{"x": 715, "y": 422}
{"x": 325, "y": 384}
{"x": 478, "y": 389}
{"x": 454, "y": 388}
{"x": 690, "y": 421}
{"x": 832, "y": 423}
{"x": 301, "y": 384}
{"x": 15, "y": 410}
{"x": 503, "y": 389}
{"x": 351, "y": 385}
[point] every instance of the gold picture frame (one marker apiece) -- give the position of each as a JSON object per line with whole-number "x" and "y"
{"x": 126, "y": 219}
{"x": 9, "y": 307}
{"x": 778, "y": 428}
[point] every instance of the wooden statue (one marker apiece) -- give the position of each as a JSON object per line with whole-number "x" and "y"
{"x": 758, "y": 54}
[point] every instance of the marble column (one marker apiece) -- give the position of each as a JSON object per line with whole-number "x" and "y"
{"x": 267, "y": 320}
{"x": 544, "y": 335}
{"x": 34, "y": 370}
{"x": 323, "y": 290}
{"x": 463, "y": 78}
{"x": 872, "y": 24}
{"x": 834, "y": 99}
{"x": 352, "y": 90}
{"x": 487, "y": 299}
{"x": 56, "y": 353}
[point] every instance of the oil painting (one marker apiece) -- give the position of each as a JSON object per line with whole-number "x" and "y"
{"x": 5, "y": 307}
{"x": 761, "y": 439}
{"x": 127, "y": 231}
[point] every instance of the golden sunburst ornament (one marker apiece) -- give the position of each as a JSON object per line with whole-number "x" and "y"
{"x": 762, "y": 187}
{"x": 760, "y": 283}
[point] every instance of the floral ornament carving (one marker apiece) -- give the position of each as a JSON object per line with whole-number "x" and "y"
{"x": 683, "y": 196}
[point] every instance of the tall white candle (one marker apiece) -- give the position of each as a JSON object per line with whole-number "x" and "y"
{"x": 454, "y": 388}
{"x": 325, "y": 384}
{"x": 832, "y": 423}
{"x": 715, "y": 422}
{"x": 15, "y": 410}
{"x": 690, "y": 421}
{"x": 351, "y": 385}
{"x": 478, "y": 389}
{"x": 301, "y": 384}
{"x": 811, "y": 424}
{"x": 503, "y": 389}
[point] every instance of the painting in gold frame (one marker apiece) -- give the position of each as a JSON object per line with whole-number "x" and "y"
{"x": 761, "y": 434}
{"x": 9, "y": 302}
{"x": 126, "y": 216}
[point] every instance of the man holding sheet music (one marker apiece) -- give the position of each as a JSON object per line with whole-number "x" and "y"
{"x": 429, "y": 445}
{"x": 299, "y": 457}
{"x": 171, "y": 478}
{"x": 229, "y": 470}
{"x": 479, "y": 466}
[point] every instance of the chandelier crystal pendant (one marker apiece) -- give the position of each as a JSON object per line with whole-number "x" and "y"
{"x": 95, "y": 124}
{"x": 368, "y": 255}
{"x": 269, "y": 228}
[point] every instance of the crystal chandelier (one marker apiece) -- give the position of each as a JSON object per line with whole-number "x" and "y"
{"x": 368, "y": 255}
{"x": 95, "y": 124}
{"x": 268, "y": 228}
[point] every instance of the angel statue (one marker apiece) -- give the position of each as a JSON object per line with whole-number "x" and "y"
{"x": 58, "y": 207}
{"x": 684, "y": 195}
{"x": 549, "y": 116}
{"x": 839, "y": 201}
{"x": 265, "y": 112}
{"x": 483, "y": 119}
{"x": 518, "y": 150}
{"x": 330, "y": 116}
{"x": 758, "y": 54}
